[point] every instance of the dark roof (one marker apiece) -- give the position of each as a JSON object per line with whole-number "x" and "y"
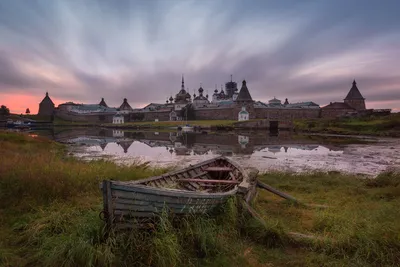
{"x": 125, "y": 105}
{"x": 338, "y": 105}
{"x": 244, "y": 94}
{"x": 47, "y": 100}
{"x": 103, "y": 103}
{"x": 354, "y": 93}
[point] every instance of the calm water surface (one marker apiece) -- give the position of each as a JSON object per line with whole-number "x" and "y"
{"x": 286, "y": 151}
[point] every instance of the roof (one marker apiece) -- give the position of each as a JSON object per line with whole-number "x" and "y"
{"x": 47, "y": 100}
{"x": 93, "y": 107}
{"x": 103, "y": 103}
{"x": 225, "y": 102}
{"x": 354, "y": 93}
{"x": 244, "y": 94}
{"x": 200, "y": 97}
{"x": 243, "y": 112}
{"x": 302, "y": 104}
{"x": 338, "y": 105}
{"x": 125, "y": 105}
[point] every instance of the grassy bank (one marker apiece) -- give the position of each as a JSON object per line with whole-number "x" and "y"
{"x": 50, "y": 204}
{"x": 379, "y": 126}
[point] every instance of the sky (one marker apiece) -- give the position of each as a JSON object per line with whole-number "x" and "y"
{"x": 83, "y": 50}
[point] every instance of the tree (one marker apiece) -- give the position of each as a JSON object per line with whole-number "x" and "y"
{"x": 4, "y": 110}
{"x": 28, "y": 111}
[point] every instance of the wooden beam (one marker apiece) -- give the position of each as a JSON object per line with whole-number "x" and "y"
{"x": 276, "y": 192}
{"x": 218, "y": 169}
{"x": 209, "y": 181}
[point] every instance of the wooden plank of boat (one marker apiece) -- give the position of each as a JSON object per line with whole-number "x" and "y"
{"x": 180, "y": 192}
{"x": 218, "y": 169}
{"x": 166, "y": 199}
{"x": 209, "y": 181}
{"x": 132, "y": 205}
{"x": 175, "y": 193}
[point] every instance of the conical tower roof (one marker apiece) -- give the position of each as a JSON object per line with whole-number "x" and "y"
{"x": 47, "y": 99}
{"x": 125, "y": 105}
{"x": 103, "y": 103}
{"x": 244, "y": 94}
{"x": 354, "y": 93}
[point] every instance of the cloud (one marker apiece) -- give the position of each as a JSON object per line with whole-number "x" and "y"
{"x": 82, "y": 51}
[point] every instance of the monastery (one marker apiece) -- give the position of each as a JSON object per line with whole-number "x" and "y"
{"x": 229, "y": 104}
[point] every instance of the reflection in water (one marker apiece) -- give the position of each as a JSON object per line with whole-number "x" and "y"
{"x": 260, "y": 149}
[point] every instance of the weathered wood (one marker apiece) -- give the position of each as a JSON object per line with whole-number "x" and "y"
{"x": 119, "y": 195}
{"x": 119, "y": 203}
{"x": 108, "y": 211}
{"x": 166, "y": 192}
{"x": 209, "y": 181}
{"x": 132, "y": 210}
{"x": 289, "y": 197}
{"x": 252, "y": 190}
{"x": 218, "y": 169}
{"x": 276, "y": 192}
{"x": 146, "y": 198}
{"x": 253, "y": 213}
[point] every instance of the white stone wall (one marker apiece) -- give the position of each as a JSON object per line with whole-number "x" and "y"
{"x": 118, "y": 119}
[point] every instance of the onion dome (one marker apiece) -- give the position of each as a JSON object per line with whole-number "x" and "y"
{"x": 201, "y": 90}
{"x": 171, "y": 99}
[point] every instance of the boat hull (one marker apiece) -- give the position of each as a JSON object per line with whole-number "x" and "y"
{"x": 127, "y": 203}
{"x": 131, "y": 204}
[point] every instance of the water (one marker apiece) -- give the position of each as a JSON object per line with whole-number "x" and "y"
{"x": 285, "y": 151}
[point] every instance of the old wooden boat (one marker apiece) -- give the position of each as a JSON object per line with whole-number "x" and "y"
{"x": 194, "y": 190}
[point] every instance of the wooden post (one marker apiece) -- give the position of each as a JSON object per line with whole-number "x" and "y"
{"x": 276, "y": 192}
{"x": 107, "y": 203}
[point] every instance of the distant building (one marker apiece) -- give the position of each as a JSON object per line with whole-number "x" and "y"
{"x": 243, "y": 115}
{"x": 231, "y": 89}
{"x": 46, "y": 107}
{"x": 336, "y": 109}
{"x": 103, "y": 103}
{"x": 354, "y": 103}
{"x": 200, "y": 100}
{"x": 244, "y": 94}
{"x": 354, "y": 98}
{"x": 182, "y": 98}
{"x": 275, "y": 102}
{"x": 125, "y": 108}
{"x": 118, "y": 119}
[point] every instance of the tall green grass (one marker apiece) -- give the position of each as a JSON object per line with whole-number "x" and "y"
{"x": 361, "y": 225}
{"x": 50, "y": 205}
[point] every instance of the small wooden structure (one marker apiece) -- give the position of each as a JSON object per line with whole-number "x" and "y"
{"x": 194, "y": 190}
